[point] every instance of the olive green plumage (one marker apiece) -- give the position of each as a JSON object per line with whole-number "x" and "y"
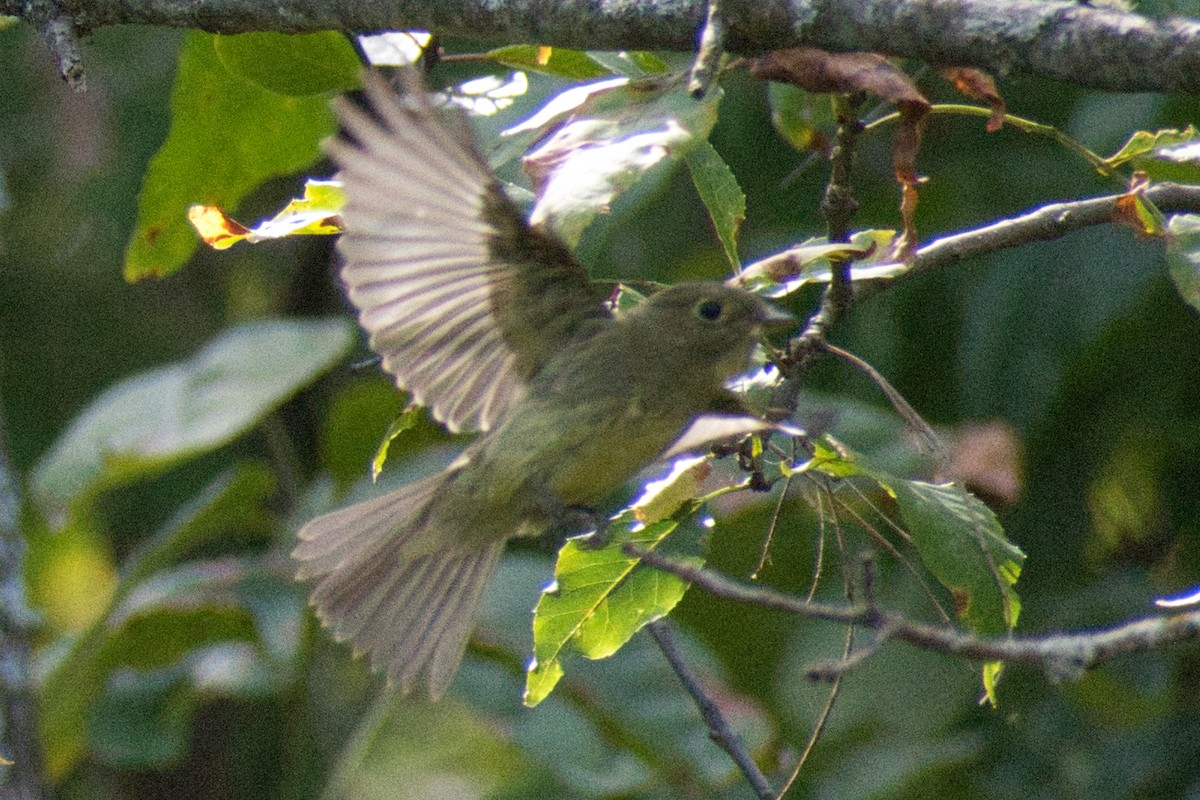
{"x": 494, "y": 326}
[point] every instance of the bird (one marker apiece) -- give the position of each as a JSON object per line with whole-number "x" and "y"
{"x": 495, "y": 327}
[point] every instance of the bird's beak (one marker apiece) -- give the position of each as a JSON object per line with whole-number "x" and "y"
{"x": 770, "y": 316}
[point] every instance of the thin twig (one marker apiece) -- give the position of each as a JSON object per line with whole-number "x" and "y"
{"x": 822, "y": 719}
{"x": 709, "y": 52}
{"x": 1062, "y": 656}
{"x": 901, "y": 405}
{"x": 62, "y": 37}
{"x": 838, "y": 205}
{"x": 719, "y": 729}
{"x": 1028, "y": 126}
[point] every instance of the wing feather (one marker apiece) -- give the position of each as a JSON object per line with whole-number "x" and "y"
{"x": 442, "y": 267}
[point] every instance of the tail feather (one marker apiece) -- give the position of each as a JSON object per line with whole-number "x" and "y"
{"x": 383, "y": 587}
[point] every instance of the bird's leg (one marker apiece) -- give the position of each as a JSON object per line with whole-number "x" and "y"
{"x": 601, "y": 534}
{"x": 563, "y": 520}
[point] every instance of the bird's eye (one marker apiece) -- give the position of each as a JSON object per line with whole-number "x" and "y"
{"x": 710, "y": 310}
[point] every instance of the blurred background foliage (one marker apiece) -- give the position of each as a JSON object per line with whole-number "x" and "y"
{"x": 207, "y": 679}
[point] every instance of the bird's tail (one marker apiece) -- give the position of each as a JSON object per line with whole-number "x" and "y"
{"x": 380, "y": 585}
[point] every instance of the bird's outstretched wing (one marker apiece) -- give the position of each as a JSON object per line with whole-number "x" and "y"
{"x": 463, "y": 300}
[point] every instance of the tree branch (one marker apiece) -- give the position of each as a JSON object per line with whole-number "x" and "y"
{"x": 719, "y": 729}
{"x": 1043, "y": 224}
{"x": 1094, "y": 47}
{"x": 1062, "y": 656}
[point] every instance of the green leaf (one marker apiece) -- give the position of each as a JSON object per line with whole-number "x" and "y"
{"x": 151, "y": 421}
{"x": 143, "y": 721}
{"x": 800, "y": 117}
{"x": 599, "y": 599}
{"x": 292, "y": 64}
{"x": 721, "y": 194}
{"x": 430, "y": 750}
{"x": 600, "y": 596}
{"x": 177, "y": 624}
{"x": 227, "y": 136}
{"x": 402, "y": 423}
{"x": 1183, "y": 256}
{"x": 557, "y": 61}
{"x": 809, "y": 262}
{"x": 616, "y": 133}
{"x": 634, "y": 63}
{"x": 77, "y": 681}
{"x": 1144, "y": 145}
{"x": 991, "y": 681}
{"x": 959, "y": 539}
{"x": 235, "y": 501}
{"x": 962, "y": 544}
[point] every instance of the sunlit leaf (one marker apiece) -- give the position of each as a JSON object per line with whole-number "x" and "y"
{"x": 1136, "y": 212}
{"x": 1144, "y": 144}
{"x": 489, "y": 94}
{"x": 148, "y": 422}
{"x": 617, "y": 130}
{"x": 394, "y": 48}
{"x": 292, "y": 64}
{"x": 809, "y": 262}
{"x": 399, "y": 425}
{"x": 992, "y": 670}
{"x": 558, "y": 61}
{"x": 664, "y": 497}
{"x": 633, "y": 63}
{"x": 1183, "y": 256}
{"x": 227, "y": 136}
{"x": 599, "y": 599}
{"x": 601, "y": 596}
{"x": 71, "y": 573}
{"x": 314, "y": 213}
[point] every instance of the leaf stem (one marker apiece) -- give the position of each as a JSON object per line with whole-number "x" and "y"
{"x": 1020, "y": 123}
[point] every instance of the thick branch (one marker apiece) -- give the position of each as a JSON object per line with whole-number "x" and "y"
{"x": 1095, "y": 47}
{"x": 1063, "y": 656}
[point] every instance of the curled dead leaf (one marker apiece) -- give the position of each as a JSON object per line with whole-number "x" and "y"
{"x": 1136, "y": 212}
{"x": 816, "y": 70}
{"x": 978, "y": 85}
{"x": 218, "y": 230}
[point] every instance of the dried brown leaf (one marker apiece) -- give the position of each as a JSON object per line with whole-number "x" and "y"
{"x": 978, "y": 85}
{"x": 817, "y": 70}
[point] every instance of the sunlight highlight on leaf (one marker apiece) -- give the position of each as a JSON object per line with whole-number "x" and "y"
{"x": 617, "y": 130}
{"x": 809, "y": 262}
{"x": 314, "y": 213}
{"x": 399, "y": 425}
